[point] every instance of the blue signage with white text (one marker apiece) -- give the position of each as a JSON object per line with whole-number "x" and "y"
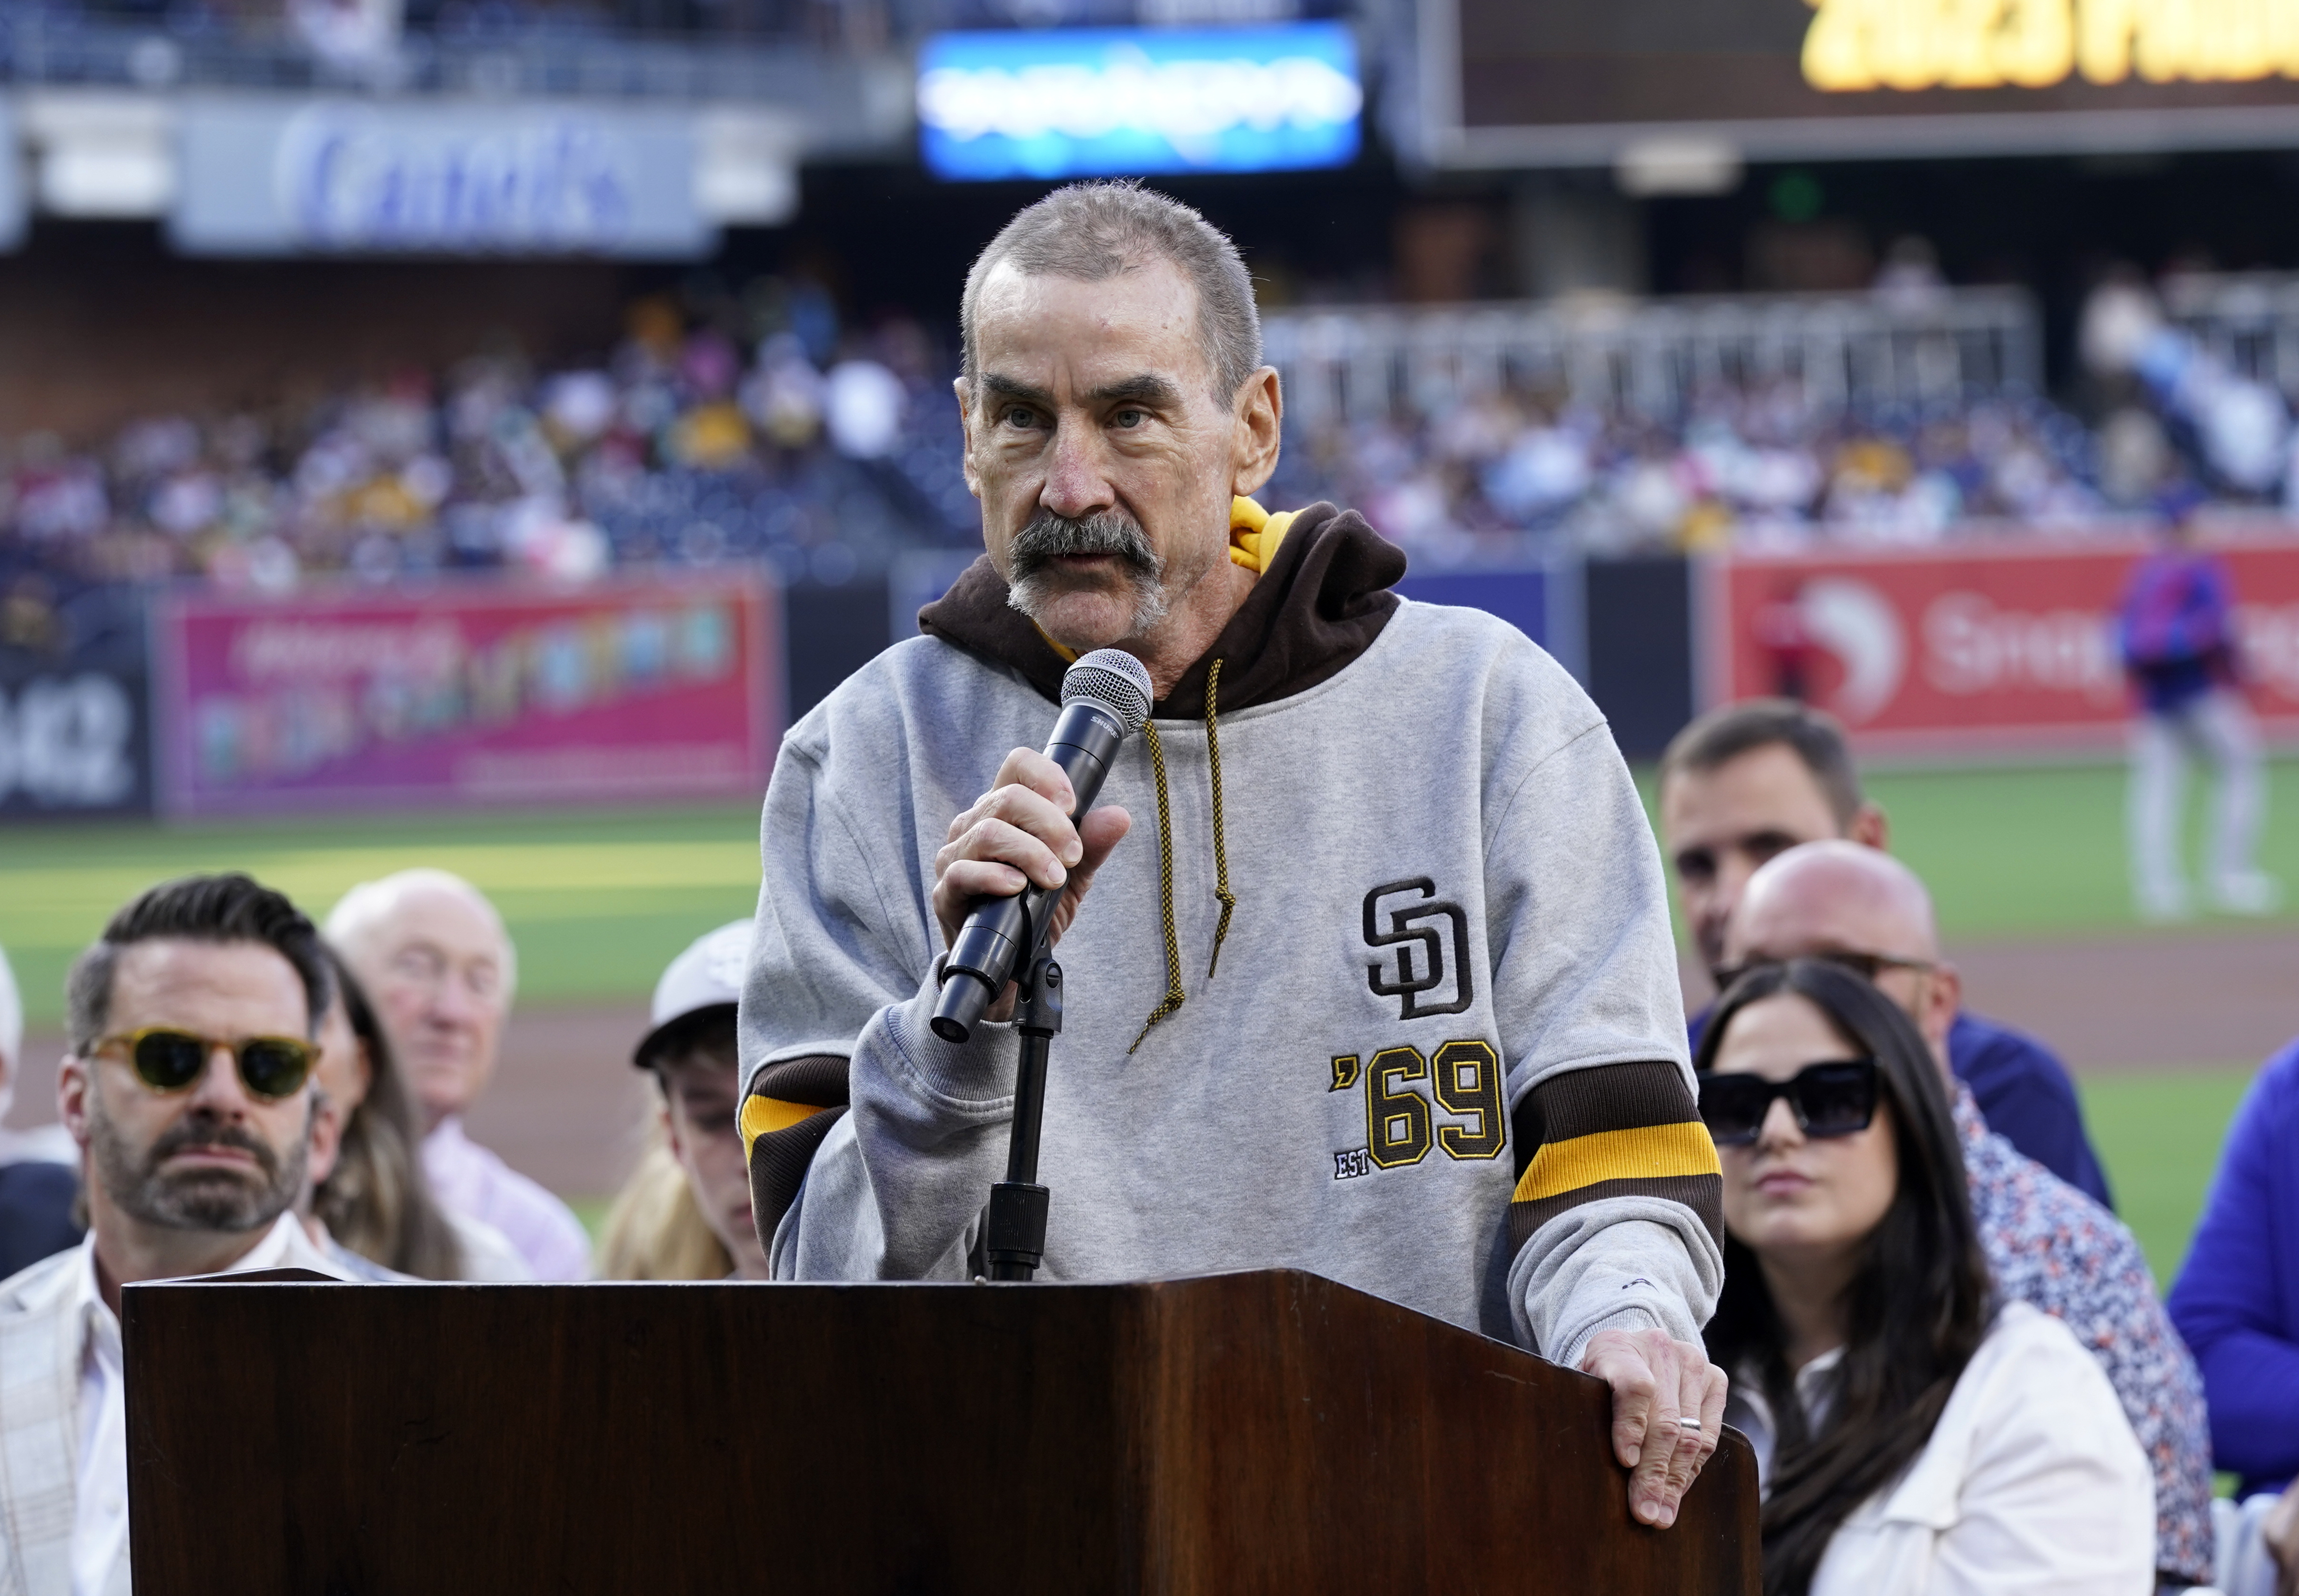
{"x": 1126, "y": 101}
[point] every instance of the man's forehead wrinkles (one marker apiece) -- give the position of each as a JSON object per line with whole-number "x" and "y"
{"x": 1146, "y": 386}
{"x": 1014, "y": 388}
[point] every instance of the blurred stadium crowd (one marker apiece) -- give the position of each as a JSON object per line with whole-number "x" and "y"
{"x": 1753, "y": 465}
{"x": 822, "y": 453}
{"x": 758, "y": 427}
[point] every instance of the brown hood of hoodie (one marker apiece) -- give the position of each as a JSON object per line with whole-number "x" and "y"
{"x": 1318, "y": 605}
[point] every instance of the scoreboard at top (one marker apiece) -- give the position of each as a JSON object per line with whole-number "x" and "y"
{"x": 1577, "y": 81}
{"x": 1855, "y": 45}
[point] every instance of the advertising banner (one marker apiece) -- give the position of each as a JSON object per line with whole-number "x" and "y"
{"x": 74, "y": 742}
{"x": 266, "y": 176}
{"x": 468, "y": 696}
{"x": 2008, "y": 649}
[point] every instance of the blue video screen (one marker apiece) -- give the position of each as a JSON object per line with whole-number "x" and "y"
{"x": 1108, "y": 102}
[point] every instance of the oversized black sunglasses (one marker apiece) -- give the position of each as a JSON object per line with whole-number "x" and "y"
{"x": 168, "y": 1060}
{"x": 1835, "y": 1097}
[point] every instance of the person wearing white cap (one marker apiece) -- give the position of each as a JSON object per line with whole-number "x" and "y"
{"x": 38, "y": 1176}
{"x": 690, "y": 1049}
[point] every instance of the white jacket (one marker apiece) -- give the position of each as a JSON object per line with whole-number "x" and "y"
{"x": 41, "y": 1341}
{"x": 2032, "y": 1483}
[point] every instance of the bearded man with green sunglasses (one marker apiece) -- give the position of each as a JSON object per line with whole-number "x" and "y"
{"x": 189, "y": 1090}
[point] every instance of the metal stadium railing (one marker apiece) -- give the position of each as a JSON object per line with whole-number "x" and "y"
{"x": 1652, "y": 358}
{"x": 2250, "y": 319}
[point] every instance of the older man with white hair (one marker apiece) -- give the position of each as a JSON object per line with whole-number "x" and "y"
{"x": 36, "y": 1179}
{"x": 433, "y": 956}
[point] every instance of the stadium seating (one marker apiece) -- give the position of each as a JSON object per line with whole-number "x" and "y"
{"x": 1481, "y": 435}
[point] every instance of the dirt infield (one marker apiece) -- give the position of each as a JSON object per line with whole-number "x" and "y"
{"x": 2182, "y": 1000}
{"x": 2202, "y": 998}
{"x": 565, "y": 1107}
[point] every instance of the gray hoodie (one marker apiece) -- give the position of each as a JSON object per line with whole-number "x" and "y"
{"x": 1440, "y": 1054}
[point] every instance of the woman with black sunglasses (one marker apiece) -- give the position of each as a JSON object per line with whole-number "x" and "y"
{"x": 1913, "y": 1438}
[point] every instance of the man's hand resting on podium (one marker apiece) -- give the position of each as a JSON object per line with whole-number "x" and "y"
{"x": 1668, "y": 1411}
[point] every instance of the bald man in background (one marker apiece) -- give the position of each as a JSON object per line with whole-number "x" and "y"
{"x": 1748, "y": 780}
{"x": 2047, "y": 1244}
{"x": 440, "y": 969}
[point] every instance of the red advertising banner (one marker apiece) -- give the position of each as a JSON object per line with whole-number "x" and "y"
{"x": 2004, "y": 648}
{"x": 467, "y": 695}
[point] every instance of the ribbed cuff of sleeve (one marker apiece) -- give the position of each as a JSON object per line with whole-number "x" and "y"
{"x": 1631, "y": 1319}
{"x": 976, "y": 1076}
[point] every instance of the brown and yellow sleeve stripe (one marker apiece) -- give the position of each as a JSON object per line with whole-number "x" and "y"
{"x": 791, "y": 1108}
{"x": 1617, "y": 1130}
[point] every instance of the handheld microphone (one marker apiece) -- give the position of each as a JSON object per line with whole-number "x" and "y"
{"x": 1105, "y": 700}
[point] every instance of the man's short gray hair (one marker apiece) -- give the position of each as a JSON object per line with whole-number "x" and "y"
{"x": 1089, "y": 232}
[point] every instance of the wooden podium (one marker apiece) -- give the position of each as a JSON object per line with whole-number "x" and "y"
{"x": 1270, "y": 1432}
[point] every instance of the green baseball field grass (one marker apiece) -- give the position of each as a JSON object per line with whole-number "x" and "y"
{"x": 598, "y": 902}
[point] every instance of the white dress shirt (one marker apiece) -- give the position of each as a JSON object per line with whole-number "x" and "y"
{"x": 473, "y": 1182}
{"x": 2031, "y": 1482}
{"x": 99, "y": 1548}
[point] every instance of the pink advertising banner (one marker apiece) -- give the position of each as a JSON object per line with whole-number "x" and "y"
{"x": 2004, "y": 649}
{"x": 467, "y": 695}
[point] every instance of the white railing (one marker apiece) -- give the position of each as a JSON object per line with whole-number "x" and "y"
{"x": 2250, "y": 319}
{"x": 1652, "y": 357}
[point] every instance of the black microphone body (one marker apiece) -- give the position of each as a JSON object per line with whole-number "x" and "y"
{"x": 1001, "y": 934}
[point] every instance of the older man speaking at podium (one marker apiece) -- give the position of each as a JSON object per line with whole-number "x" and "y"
{"x": 1389, "y": 995}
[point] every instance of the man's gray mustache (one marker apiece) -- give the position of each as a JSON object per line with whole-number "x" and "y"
{"x": 1049, "y": 537}
{"x": 196, "y": 1133}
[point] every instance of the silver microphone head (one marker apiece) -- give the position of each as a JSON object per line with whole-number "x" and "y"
{"x": 1113, "y": 678}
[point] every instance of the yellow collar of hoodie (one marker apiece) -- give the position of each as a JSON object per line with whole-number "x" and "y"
{"x": 1254, "y": 535}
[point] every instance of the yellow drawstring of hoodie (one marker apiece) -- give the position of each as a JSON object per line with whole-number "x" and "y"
{"x": 1254, "y": 535}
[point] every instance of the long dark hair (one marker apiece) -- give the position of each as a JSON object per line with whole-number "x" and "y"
{"x": 1915, "y": 1311}
{"x": 377, "y": 1201}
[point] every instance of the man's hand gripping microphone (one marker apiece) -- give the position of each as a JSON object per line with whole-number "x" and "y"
{"x": 1105, "y": 700}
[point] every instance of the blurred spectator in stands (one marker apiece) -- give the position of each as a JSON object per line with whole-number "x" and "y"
{"x": 690, "y": 1051}
{"x": 352, "y": 36}
{"x": 1911, "y": 1435}
{"x": 2047, "y": 1244}
{"x": 189, "y": 1089}
{"x": 371, "y": 1204}
{"x": 863, "y": 404}
{"x": 2237, "y": 1303}
{"x": 2240, "y": 426}
{"x": 2178, "y": 643}
{"x": 38, "y": 1182}
{"x": 1749, "y": 780}
{"x": 432, "y": 953}
{"x": 1910, "y": 278}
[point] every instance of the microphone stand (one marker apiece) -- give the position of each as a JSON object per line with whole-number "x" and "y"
{"x": 1014, "y": 1232}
